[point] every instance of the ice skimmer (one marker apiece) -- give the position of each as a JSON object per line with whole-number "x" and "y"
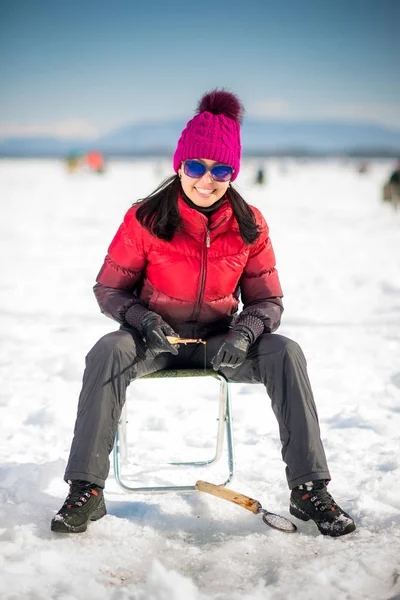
{"x": 254, "y": 506}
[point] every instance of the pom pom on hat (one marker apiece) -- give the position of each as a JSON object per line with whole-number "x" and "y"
{"x": 214, "y": 132}
{"x": 221, "y": 102}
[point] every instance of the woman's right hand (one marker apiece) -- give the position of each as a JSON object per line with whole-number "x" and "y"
{"x": 155, "y": 330}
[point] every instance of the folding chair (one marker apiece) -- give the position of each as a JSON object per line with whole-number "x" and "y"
{"x": 224, "y": 424}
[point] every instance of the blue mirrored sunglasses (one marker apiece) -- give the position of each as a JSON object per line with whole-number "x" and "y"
{"x": 196, "y": 169}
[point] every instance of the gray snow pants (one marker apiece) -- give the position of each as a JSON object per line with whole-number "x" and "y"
{"x": 273, "y": 360}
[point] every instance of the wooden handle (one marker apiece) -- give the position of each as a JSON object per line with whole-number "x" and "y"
{"x": 222, "y": 492}
{"x": 177, "y": 340}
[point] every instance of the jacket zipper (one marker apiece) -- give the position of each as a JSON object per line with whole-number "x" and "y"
{"x": 203, "y": 267}
{"x": 218, "y": 224}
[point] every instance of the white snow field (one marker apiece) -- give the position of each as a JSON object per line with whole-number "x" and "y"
{"x": 338, "y": 255}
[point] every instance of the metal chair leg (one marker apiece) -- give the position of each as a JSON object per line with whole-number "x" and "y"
{"x": 224, "y": 424}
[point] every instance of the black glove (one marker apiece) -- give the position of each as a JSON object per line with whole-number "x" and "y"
{"x": 154, "y": 330}
{"x": 233, "y": 350}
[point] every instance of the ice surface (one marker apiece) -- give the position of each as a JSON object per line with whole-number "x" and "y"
{"x": 338, "y": 254}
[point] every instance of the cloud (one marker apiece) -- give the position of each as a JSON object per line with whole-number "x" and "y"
{"x": 387, "y": 114}
{"x": 69, "y": 129}
{"x": 271, "y": 107}
{"x": 382, "y": 114}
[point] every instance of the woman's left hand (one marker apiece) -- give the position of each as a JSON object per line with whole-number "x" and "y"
{"x": 232, "y": 351}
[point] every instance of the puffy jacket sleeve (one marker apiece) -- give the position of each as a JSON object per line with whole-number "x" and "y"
{"x": 260, "y": 288}
{"x": 122, "y": 269}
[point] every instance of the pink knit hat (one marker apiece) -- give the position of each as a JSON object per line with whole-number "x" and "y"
{"x": 214, "y": 132}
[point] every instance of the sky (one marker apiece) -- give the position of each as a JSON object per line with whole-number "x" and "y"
{"x": 85, "y": 68}
{"x": 338, "y": 254}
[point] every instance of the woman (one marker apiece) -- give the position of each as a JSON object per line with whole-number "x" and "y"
{"x": 177, "y": 266}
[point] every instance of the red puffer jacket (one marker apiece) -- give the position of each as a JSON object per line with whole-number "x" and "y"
{"x": 196, "y": 277}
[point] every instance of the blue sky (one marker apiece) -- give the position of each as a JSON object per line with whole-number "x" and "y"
{"x": 84, "y": 68}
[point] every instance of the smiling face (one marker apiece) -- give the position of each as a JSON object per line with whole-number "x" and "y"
{"x": 203, "y": 191}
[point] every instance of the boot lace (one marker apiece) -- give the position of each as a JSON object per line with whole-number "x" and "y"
{"x": 79, "y": 494}
{"x": 321, "y": 499}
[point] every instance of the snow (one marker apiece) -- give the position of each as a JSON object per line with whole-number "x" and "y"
{"x": 338, "y": 254}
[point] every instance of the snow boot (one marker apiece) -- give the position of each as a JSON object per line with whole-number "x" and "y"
{"x": 311, "y": 500}
{"x": 84, "y": 503}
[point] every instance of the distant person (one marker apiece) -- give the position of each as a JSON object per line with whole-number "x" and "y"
{"x": 95, "y": 161}
{"x": 363, "y": 167}
{"x": 391, "y": 190}
{"x": 395, "y": 176}
{"x": 74, "y": 160}
{"x": 260, "y": 177}
{"x": 175, "y": 268}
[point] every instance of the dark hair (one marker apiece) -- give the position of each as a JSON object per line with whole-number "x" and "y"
{"x": 160, "y": 215}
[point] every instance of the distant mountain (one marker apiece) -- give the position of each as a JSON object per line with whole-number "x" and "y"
{"x": 258, "y": 137}
{"x": 143, "y": 137}
{"x": 39, "y": 146}
{"x": 318, "y": 136}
